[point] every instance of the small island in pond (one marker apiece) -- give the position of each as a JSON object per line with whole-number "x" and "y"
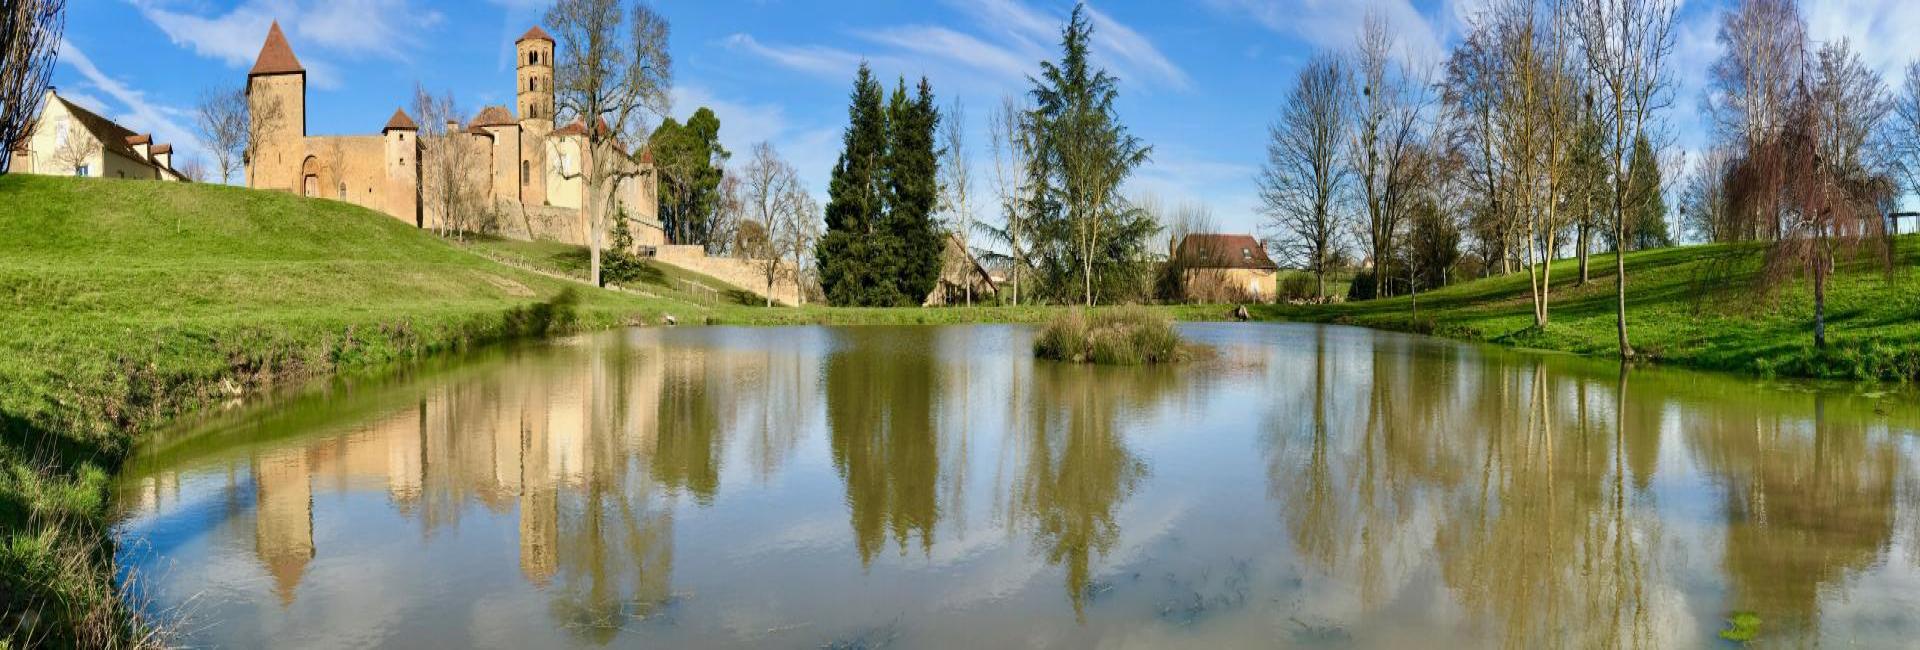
{"x": 1122, "y": 336}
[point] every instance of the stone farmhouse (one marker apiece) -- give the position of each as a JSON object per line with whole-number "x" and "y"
{"x": 69, "y": 140}
{"x": 532, "y": 168}
{"x": 1225, "y": 268}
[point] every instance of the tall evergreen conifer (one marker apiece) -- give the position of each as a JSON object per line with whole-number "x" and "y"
{"x": 913, "y": 191}
{"x": 852, "y": 268}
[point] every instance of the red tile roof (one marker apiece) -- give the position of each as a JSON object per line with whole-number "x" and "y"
{"x": 400, "y": 122}
{"x": 112, "y": 136}
{"x": 535, "y": 34}
{"x": 162, "y": 148}
{"x": 137, "y": 140}
{"x": 1210, "y": 251}
{"x": 495, "y": 116}
{"x": 276, "y": 56}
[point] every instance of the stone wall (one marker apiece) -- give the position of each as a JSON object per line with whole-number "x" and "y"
{"x": 748, "y": 275}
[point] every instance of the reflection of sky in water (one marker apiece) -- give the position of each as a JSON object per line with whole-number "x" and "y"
{"x": 934, "y": 486}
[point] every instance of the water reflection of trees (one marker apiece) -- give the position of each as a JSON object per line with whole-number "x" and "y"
{"x": 1807, "y": 501}
{"x": 880, "y": 389}
{"x": 1078, "y": 468}
{"x": 1531, "y": 483}
{"x": 1513, "y": 477}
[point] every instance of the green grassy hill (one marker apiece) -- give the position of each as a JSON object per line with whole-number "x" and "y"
{"x": 126, "y": 303}
{"x": 1696, "y": 306}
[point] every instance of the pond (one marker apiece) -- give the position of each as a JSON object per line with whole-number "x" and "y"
{"x": 1303, "y": 486}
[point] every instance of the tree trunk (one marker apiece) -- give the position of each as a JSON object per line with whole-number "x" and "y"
{"x": 1820, "y": 297}
{"x": 587, "y": 215}
{"x": 1586, "y": 225}
{"x": 1620, "y": 293}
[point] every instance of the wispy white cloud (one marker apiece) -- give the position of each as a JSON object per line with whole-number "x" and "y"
{"x": 126, "y": 105}
{"x": 818, "y": 60}
{"x": 1336, "y": 25}
{"x": 944, "y": 43}
{"x": 320, "y": 30}
{"x": 1012, "y": 40}
{"x": 1130, "y": 50}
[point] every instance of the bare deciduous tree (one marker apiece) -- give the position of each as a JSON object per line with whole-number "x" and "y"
{"x": 1704, "y": 211}
{"x": 775, "y": 201}
{"x": 1386, "y": 129}
{"x": 451, "y": 181}
{"x": 1536, "y": 114}
{"x": 76, "y": 151}
{"x": 1306, "y": 170}
{"x": 195, "y": 169}
{"x": 614, "y": 68}
{"x": 29, "y": 42}
{"x": 1625, "y": 45}
{"x": 1012, "y": 146}
{"x": 956, "y": 180}
{"x": 1903, "y": 132}
{"x": 221, "y": 119}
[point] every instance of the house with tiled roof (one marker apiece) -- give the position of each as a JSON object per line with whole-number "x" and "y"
{"x": 1225, "y": 268}
{"x": 69, "y": 140}
{"x": 531, "y": 169}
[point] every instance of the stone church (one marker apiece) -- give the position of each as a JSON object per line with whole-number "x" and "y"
{"x": 532, "y": 168}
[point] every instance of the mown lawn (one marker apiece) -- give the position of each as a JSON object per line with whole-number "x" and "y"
{"x": 1696, "y": 306}
{"x": 124, "y": 304}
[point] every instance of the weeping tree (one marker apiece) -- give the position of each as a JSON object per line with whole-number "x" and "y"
{"x": 1832, "y": 196}
{"x": 614, "y": 68}
{"x": 29, "y": 41}
{"x": 1092, "y": 239}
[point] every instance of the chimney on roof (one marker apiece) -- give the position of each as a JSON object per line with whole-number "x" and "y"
{"x": 453, "y": 126}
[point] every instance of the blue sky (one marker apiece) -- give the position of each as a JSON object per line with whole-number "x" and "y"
{"x": 1200, "y": 80}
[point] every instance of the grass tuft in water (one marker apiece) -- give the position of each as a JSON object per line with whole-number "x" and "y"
{"x": 1123, "y": 336}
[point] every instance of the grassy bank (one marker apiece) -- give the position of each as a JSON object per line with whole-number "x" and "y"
{"x": 125, "y": 304}
{"x": 1696, "y": 306}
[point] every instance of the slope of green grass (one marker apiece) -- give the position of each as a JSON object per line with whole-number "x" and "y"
{"x": 124, "y": 304}
{"x": 1697, "y": 306}
{"x": 663, "y": 280}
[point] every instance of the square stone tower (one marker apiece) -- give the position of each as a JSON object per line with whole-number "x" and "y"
{"x": 277, "y": 104}
{"x": 534, "y": 63}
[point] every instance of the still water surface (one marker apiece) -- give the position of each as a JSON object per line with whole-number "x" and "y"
{"x": 936, "y": 487}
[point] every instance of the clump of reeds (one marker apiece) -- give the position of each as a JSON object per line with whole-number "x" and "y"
{"x": 1123, "y": 336}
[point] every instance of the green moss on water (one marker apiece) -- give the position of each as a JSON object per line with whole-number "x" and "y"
{"x": 1742, "y": 627}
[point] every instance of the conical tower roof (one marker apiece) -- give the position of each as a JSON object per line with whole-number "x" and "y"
{"x": 276, "y": 56}
{"x": 535, "y": 34}
{"x": 400, "y": 122}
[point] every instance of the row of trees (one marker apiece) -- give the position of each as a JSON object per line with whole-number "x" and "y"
{"x": 1061, "y": 225}
{"x": 1539, "y": 126}
{"x": 882, "y": 246}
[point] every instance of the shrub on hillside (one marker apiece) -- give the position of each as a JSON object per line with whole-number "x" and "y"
{"x": 1298, "y": 287}
{"x": 1117, "y": 336}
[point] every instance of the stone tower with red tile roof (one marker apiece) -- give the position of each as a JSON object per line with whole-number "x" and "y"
{"x": 534, "y": 56}
{"x": 277, "y": 105}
